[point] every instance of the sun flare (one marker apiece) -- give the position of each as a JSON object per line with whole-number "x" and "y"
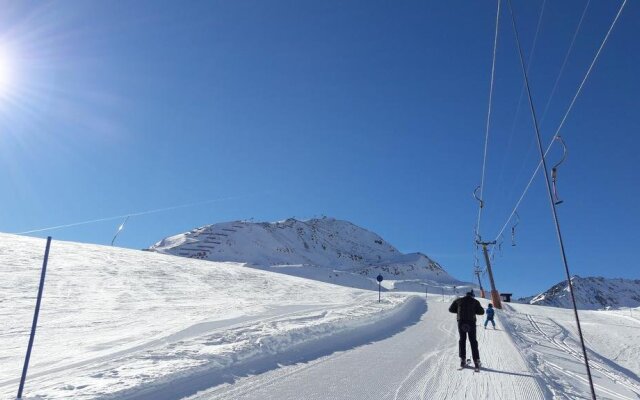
{"x": 5, "y": 72}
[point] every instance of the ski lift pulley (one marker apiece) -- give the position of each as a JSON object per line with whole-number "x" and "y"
{"x": 554, "y": 171}
{"x": 475, "y": 194}
{"x": 513, "y": 228}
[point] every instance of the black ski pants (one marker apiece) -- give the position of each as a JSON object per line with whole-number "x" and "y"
{"x": 468, "y": 328}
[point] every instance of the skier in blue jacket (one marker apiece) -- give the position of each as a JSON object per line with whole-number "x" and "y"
{"x": 490, "y": 313}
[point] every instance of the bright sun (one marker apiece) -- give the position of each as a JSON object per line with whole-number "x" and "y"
{"x": 5, "y": 73}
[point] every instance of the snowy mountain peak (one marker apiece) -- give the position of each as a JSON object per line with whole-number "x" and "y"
{"x": 320, "y": 242}
{"x": 592, "y": 293}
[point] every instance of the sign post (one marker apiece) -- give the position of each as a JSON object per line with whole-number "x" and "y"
{"x": 379, "y": 278}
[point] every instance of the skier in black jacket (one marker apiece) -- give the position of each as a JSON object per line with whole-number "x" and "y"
{"x": 467, "y": 308}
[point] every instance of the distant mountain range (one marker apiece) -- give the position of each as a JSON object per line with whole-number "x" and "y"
{"x": 324, "y": 249}
{"x": 591, "y": 293}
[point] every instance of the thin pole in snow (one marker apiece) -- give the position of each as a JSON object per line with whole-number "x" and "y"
{"x": 35, "y": 318}
{"x": 379, "y": 278}
{"x": 120, "y": 228}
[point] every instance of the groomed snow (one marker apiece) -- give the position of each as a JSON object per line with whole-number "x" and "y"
{"x": 126, "y": 324}
{"x": 419, "y": 362}
{"x": 115, "y": 319}
{"x": 526, "y": 357}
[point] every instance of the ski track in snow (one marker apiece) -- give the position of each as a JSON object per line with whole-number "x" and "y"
{"x": 553, "y": 351}
{"x": 421, "y": 362}
{"x": 595, "y": 365}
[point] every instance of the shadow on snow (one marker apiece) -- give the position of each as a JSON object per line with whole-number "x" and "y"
{"x": 184, "y": 386}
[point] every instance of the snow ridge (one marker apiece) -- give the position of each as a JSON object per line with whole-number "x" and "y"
{"x": 256, "y": 346}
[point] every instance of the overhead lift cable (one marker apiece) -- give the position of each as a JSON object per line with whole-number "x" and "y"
{"x": 480, "y": 188}
{"x": 564, "y": 63}
{"x": 494, "y": 293}
{"x": 487, "y": 126}
{"x": 517, "y": 112}
{"x": 135, "y": 214}
{"x": 586, "y": 76}
{"x": 553, "y": 204}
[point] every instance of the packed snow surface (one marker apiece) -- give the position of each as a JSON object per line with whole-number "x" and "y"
{"x": 125, "y": 324}
{"x": 418, "y": 363}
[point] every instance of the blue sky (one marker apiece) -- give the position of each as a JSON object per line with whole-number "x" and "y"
{"x": 369, "y": 111}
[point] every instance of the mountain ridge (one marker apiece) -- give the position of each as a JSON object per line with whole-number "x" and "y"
{"x": 591, "y": 293}
{"x": 300, "y": 247}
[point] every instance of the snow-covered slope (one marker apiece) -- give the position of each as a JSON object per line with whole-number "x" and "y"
{"x": 116, "y": 321}
{"x": 592, "y": 293}
{"x": 547, "y": 338}
{"x": 324, "y": 249}
{"x": 125, "y": 324}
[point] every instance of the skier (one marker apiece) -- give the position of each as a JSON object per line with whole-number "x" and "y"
{"x": 490, "y": 313}
{"x": 467, "y": 308}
